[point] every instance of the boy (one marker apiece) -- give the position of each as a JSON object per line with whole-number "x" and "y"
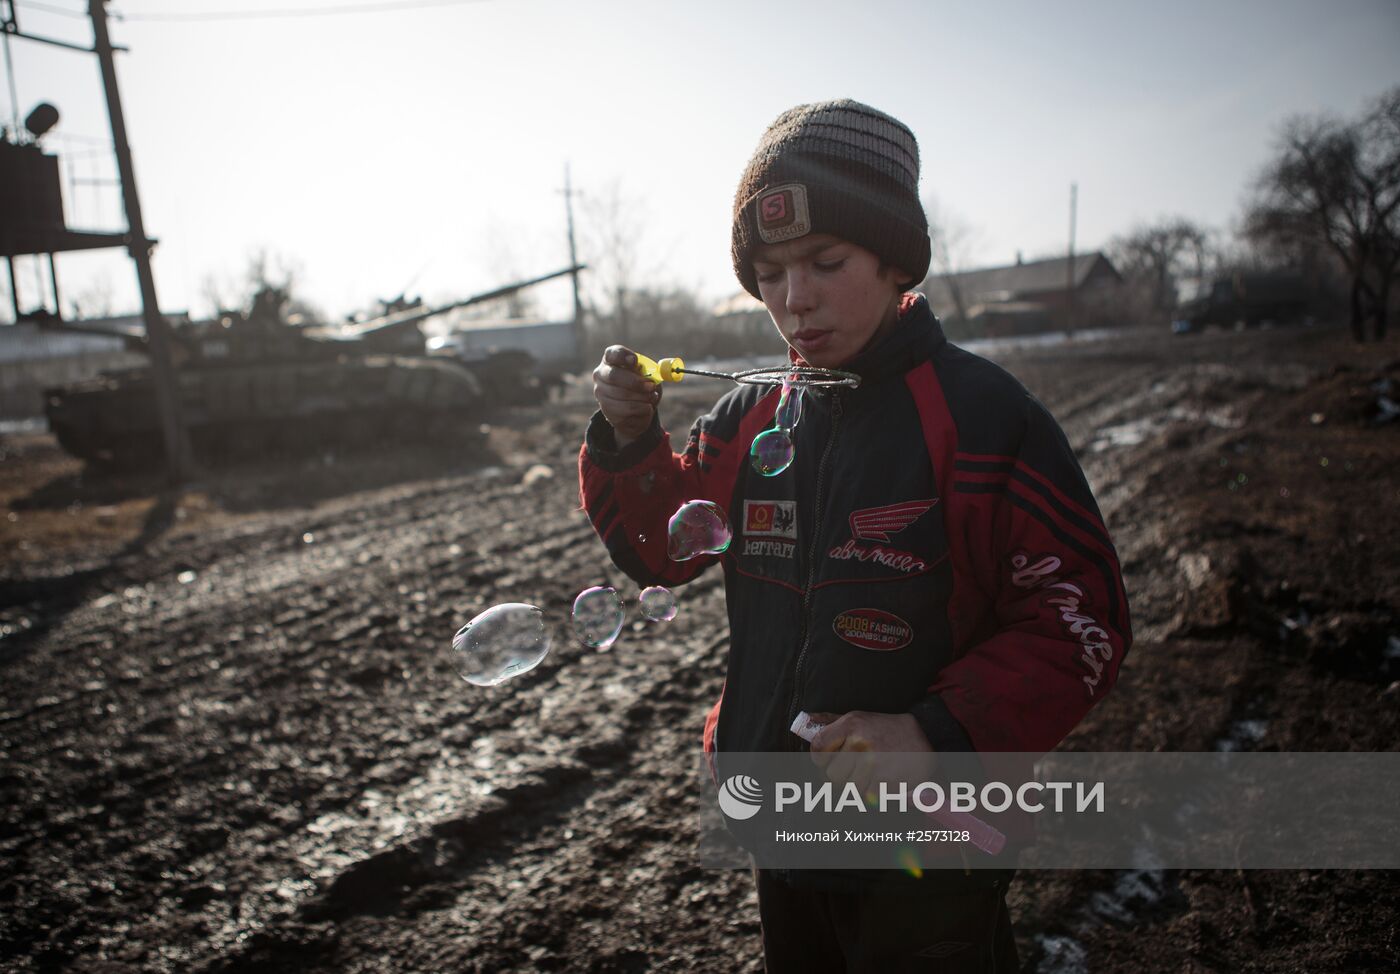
{"x": 938, "y": 497}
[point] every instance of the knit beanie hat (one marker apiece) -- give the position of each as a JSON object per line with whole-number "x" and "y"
{"x": 836, "y": 167}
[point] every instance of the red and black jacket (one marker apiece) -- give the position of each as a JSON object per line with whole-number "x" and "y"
{"x": 934, "y": 548}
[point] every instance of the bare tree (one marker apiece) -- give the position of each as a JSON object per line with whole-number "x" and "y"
{"x": 1157, "y": 256}
{"x": 952, "y": 239}
{"x": 93, "y": 300}
{"x": 219, "y": 293}
{"x": 613, "y": 228}
{"x": 1338, "y": 182}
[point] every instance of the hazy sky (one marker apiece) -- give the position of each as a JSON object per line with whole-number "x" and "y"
{"x": 426, "y": 145}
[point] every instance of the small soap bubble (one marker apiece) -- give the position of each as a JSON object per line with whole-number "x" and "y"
{"x": 598, "y": 616}
{"x": 771, "y": 452}
{"x": 657, "y": 604}
{"x": 504, "y": 641}
{"x": 789, "y": 406}
{"x": 697, "y": 528}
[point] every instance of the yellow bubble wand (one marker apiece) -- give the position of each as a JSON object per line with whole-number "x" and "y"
{"x": 674, "y": 369}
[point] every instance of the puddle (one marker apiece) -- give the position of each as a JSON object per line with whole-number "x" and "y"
{"x": 1293, "y": 622}
{"x": 1245, "y": 732}
{"x": 1134, "y": 892}
{"x": 1061, "y": 955}
{"x": 1049, "y": 339}
{"x": 1138, "y": 430}
{"x": 32, "y": 424}
{"x": 1243, "y": 735}
{"x": 1390, "y": 658}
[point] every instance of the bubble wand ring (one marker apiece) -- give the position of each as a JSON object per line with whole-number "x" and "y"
{"x": 796, "y": 376}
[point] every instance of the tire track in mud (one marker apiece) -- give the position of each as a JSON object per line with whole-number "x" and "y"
{"x": 66, "y": 721}
{"x": 299, "y": 632}
{"x": 463, "y": 870}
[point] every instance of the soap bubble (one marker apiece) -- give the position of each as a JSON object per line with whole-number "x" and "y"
{"x": 697, "y": 528}
{"x": 598, "y": 616}
{"x": 789, "y": 406}
{"x": 500, "y": 643}
{"x": 657, "y": 604}
{"x": 771, "y": 452}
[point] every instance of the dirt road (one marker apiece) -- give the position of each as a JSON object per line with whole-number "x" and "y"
{"x": 232, "y": 738}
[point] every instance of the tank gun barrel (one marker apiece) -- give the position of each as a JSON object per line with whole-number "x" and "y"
{"x": 402, "y": 318}
{"x": 134, "y": 341}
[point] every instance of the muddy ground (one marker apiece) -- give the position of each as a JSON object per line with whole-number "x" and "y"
{"x": 232, "y": 740}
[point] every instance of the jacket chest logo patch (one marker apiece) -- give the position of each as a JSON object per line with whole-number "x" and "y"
{"x": 770, "y": 528}
{"x": 770, "y": 519}
{"x": 877, "y": 524}
{"x": 873, "y": 629}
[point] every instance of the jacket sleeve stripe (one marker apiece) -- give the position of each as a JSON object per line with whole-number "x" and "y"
{"x": 1086, "y": 520}
{"x": 607, "y": 520}
{"x": 976, "y": 488}
{"x": 1110, "y": 577}
{"x": 980, "y": 477}
{"x": 982, "y": 466}
{"x": 991, "y": 458}
{"x": 1051, "y": 490}
{"x": 712, "y": 445}
{"x": 1089, "y": 526}
{"x": 599, "y": 501}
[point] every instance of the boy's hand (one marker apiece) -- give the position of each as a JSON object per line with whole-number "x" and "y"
{"x": 847, "y": 748}
{"x": 861, "y": 730}
{"x": 627, "y": 398}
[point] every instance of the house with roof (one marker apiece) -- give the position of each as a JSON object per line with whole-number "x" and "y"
{"x": 1025, "y": 297}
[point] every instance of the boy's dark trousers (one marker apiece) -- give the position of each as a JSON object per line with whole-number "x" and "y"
{"x": 807, "y": 931}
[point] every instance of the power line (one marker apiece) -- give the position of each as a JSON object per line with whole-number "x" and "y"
{"x": 50, "y": 8}
{"x": 270, "y": 14}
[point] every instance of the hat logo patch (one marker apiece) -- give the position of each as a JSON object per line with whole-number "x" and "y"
{"x": 782, "y": 213}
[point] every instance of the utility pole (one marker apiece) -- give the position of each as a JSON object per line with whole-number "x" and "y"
{"x": 157, "y": 330}
{"x": 573, "y": 262}
{"x": 1069, "y": 273}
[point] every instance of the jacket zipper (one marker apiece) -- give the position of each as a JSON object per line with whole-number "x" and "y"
{"x": 812, "y": 561}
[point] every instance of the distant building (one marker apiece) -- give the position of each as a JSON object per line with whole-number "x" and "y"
{"x": 34, "y": 358}
{"x": 742, "y": 315}
{"x": 1026, "y": 296}
{"x": 553, "y": 344}
{"x": 741, "y": 325}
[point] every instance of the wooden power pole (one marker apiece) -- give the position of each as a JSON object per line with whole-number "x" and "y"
{"x": 157, "y": 330}
{"x": 573, "y": 262}
{"x": 1069, "y": 273}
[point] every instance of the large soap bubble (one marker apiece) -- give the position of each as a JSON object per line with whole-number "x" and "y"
{"x": 697, "y": 528}
{"x": 657, "y": 604}
{"x": 771, "y": 452}
{"x": 502, "y": 642}
{"x": 598, "y": 616}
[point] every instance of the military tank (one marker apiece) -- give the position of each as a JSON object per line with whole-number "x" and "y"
{"x": 254, "y": 383}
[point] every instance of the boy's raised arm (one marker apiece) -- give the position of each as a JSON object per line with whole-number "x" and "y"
{"x": 630, "y": 483}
